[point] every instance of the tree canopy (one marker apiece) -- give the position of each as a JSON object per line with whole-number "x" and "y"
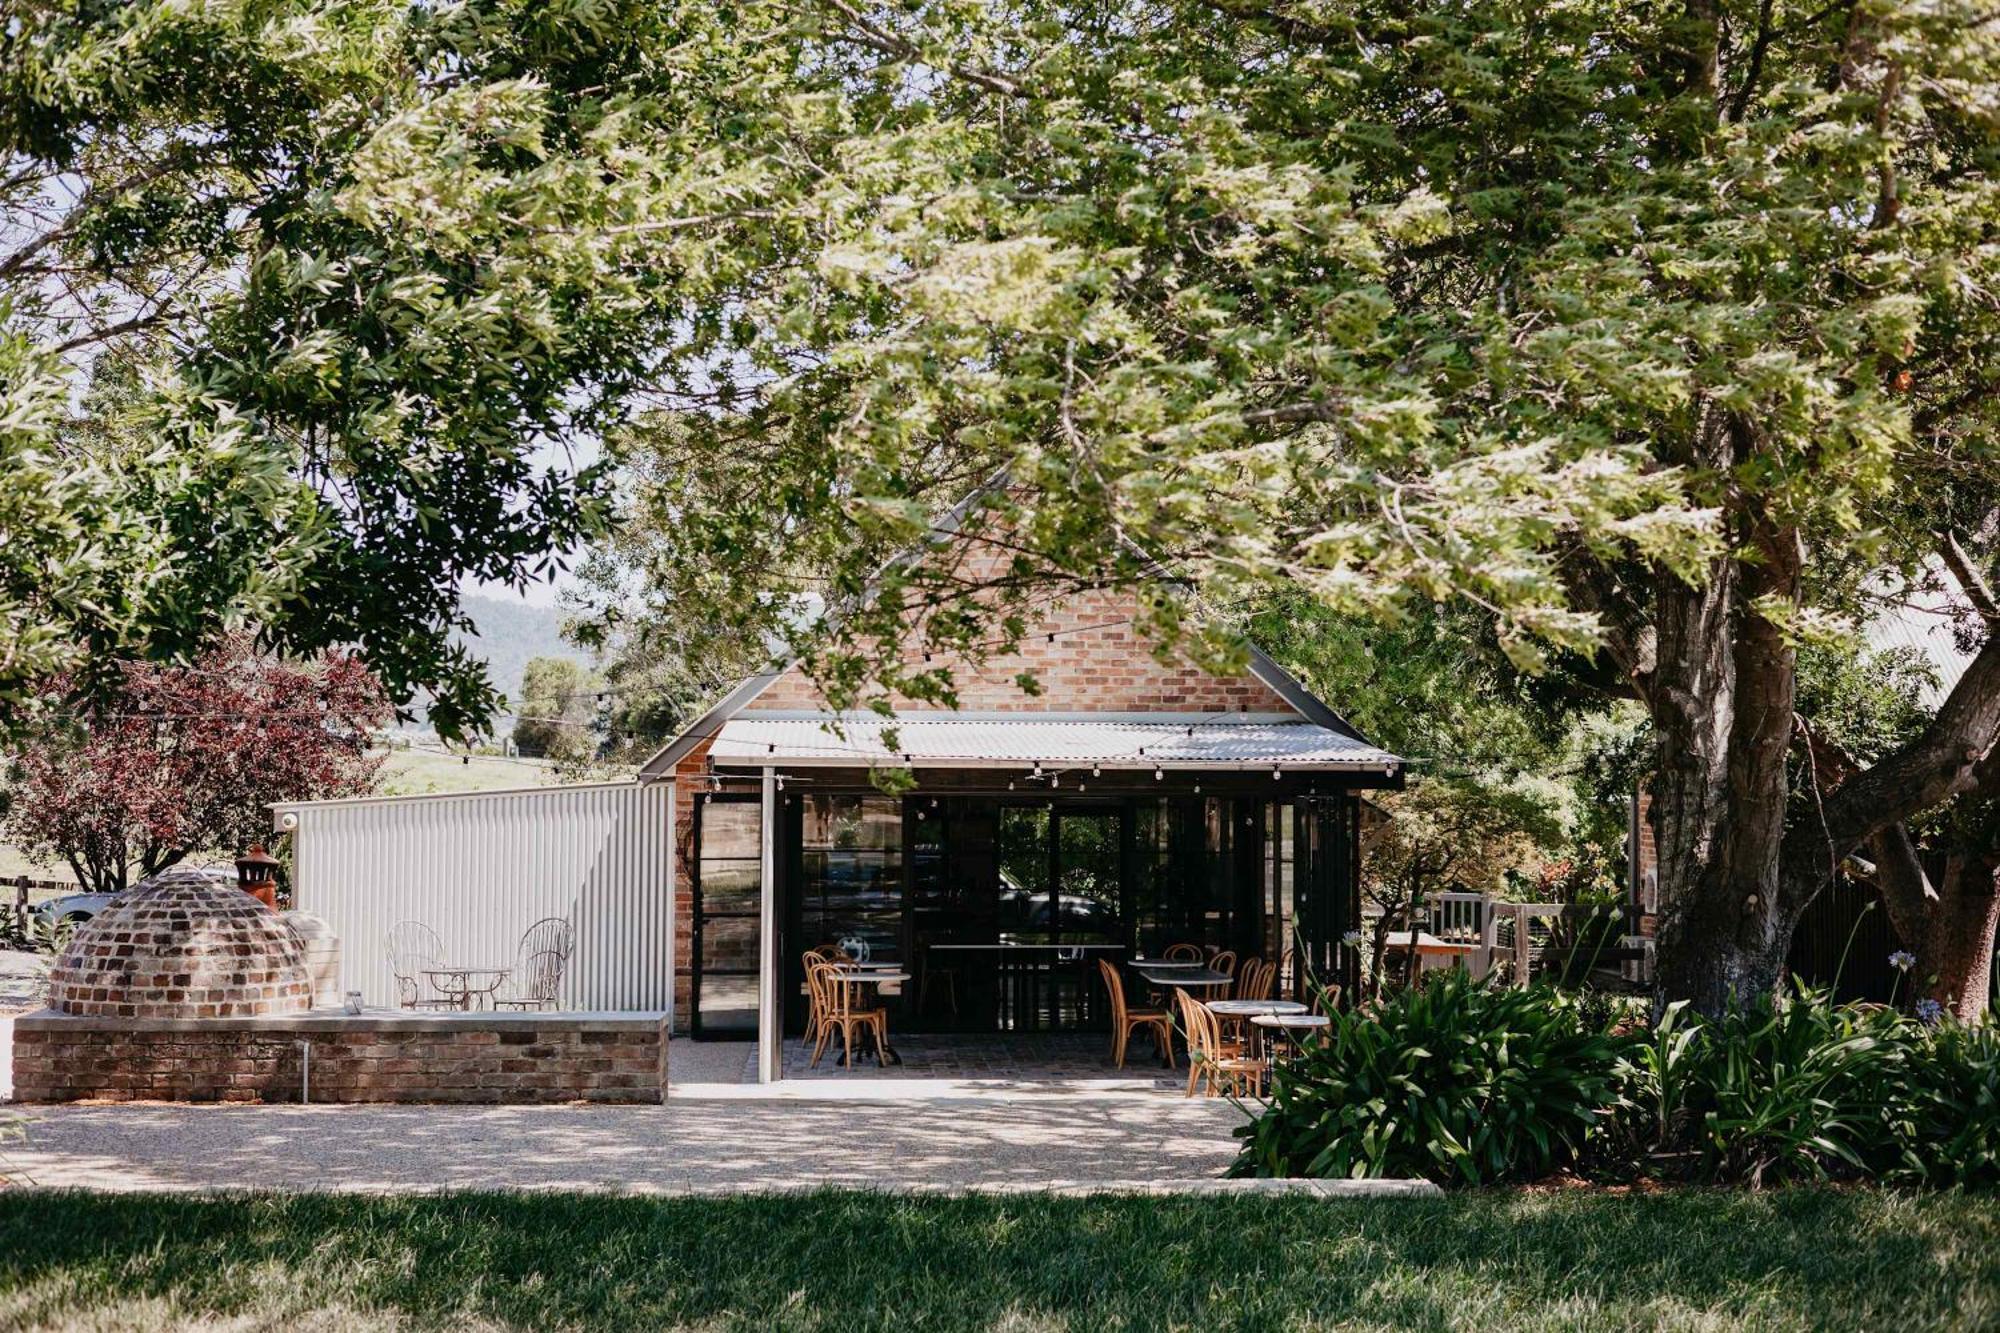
{"x": 1666, "y": 334}
{"x": 185, "y": 759}
{"x": 323, "y": 250}
{"x": 1662, "y": 334}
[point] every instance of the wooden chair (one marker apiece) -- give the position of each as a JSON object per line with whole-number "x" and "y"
{"x": 413, "y": 949}
{"x": 1224, "y": 960}
{"x": 1158, "y": 1023}
{"x": 1217, "y": 1064}
{"x": 543, "y": 957}
{"x": 1182, "y": 953}
{"x": 815, "y": 1003}
{"x": 1256, "y": 980}
{"x": 844, "y": 1010}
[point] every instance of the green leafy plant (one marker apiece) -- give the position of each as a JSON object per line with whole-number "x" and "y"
{"x": 1455, "y": 1081}
{"x": 1806, "y": 1089}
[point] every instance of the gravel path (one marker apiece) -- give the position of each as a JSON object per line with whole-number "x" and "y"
{"x": 694, "y": 1144}
{"x": 24, "y": 980}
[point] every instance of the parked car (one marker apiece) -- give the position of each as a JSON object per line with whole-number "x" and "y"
{"x": 72, "y": 909}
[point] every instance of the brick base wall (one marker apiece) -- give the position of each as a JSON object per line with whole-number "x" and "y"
{"x": 373, "y": 1057}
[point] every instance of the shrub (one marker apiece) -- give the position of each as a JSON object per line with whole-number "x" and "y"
{"x": 1455, "y": 1081}
{"x": 1950, "y": 1106}
{"x": 1799, "y": 1089}
{"x": 1462, "y": 1083}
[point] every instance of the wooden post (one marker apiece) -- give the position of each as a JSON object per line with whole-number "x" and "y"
{"x": 770, "y": 1041}
{"x": 1522, "y": 958}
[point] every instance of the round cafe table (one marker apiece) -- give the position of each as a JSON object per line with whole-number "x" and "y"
{"x": 1294, "y": 1026}
{"x": 1251, "y": 1008}
{"x": 1234, "y": 1012}
{"x": 467, "y": 984}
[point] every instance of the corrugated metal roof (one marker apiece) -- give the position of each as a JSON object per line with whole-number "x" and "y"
{"x": 1124, "y": 740}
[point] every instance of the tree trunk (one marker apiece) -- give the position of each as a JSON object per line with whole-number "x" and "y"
{"x": 1722, "y": 702}
{"x": 1948, "y": 926}
{"x": 1955, "y": 954}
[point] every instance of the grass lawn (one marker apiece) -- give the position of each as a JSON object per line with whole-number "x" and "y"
{"x": 1794, "y": 1259}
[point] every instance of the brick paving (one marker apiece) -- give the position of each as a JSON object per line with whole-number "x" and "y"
{"x": 997, "y": 1058}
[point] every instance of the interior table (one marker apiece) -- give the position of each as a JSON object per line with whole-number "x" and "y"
{"x": 1185, "y": 978}
{"x": 468, "y": 985}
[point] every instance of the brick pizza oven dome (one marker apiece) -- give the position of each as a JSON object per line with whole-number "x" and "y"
{"x": 186, "y": 943}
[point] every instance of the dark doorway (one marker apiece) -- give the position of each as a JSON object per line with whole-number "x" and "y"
{"x": 726, "y": 923}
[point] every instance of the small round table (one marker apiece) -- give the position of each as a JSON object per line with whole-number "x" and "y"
{"x": 465, "y": 984}
{"x": 1233, "y": 1012}
{"x": 1292, "y": 1025}
{"x": 1251, "y": 1008}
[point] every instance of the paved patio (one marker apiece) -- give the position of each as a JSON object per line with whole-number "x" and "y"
{"x": 693, "y": 1144}
{"x": 992, "y": 1061}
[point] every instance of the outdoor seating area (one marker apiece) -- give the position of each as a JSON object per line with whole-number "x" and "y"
{"x": 427, "y": 978}
{"x": 1204, "y": 1009}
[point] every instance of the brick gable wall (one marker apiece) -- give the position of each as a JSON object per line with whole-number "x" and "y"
{"x": 1096, "y": 663}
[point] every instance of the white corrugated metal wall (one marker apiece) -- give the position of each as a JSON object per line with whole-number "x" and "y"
{"x": 479, "y": 868}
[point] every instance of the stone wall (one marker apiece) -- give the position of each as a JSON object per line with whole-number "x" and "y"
{"x": 387, "y": 1056}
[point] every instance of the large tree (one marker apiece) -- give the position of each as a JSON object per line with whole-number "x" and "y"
{"x": 1665, "y": 333}
{"x": 326, "y": 255}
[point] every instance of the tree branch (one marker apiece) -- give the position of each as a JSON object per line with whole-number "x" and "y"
{"x": 1970, "y": 581}
{"x": 892, "y": 44}
{"x": 1946, "y": 760}
{"x": 1740, "y": 104}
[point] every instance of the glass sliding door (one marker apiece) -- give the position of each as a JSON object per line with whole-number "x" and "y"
{"x": 1062, "y": 903}
{"x": 1326, "y": 888}
{"x": 850, "y": 889}
{"x": 727, "y": 916}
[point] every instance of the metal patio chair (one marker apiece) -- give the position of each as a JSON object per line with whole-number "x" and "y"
{"x": 536, "y": 981}
{"x": 414, "y": 949}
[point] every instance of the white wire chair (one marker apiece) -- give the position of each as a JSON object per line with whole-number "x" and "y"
{"x": 414, "y": 949}
{"x": 536, "y": 981}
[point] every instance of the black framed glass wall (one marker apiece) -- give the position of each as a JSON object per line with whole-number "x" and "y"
{"x": 726, "y": 925}
{"x": 849, "y": 886}
{"x": 961, "y": 887}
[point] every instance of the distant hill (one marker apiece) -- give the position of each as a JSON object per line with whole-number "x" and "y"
{"x": 505, "y": 635}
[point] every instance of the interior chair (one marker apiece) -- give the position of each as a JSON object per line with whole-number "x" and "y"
{"x": 541, "y": 961}
{"x": 930, "y": 974}
{"x": 1213, "y": 1063}
{"x": 1224, "y": 961}
{"x": 1182, "y": 953}
{"x": 1256, "y": 980}
{"x": 1245, "y": 971}
{"x": 413, "y": 949}
{"x": 1158, "y": 1023}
